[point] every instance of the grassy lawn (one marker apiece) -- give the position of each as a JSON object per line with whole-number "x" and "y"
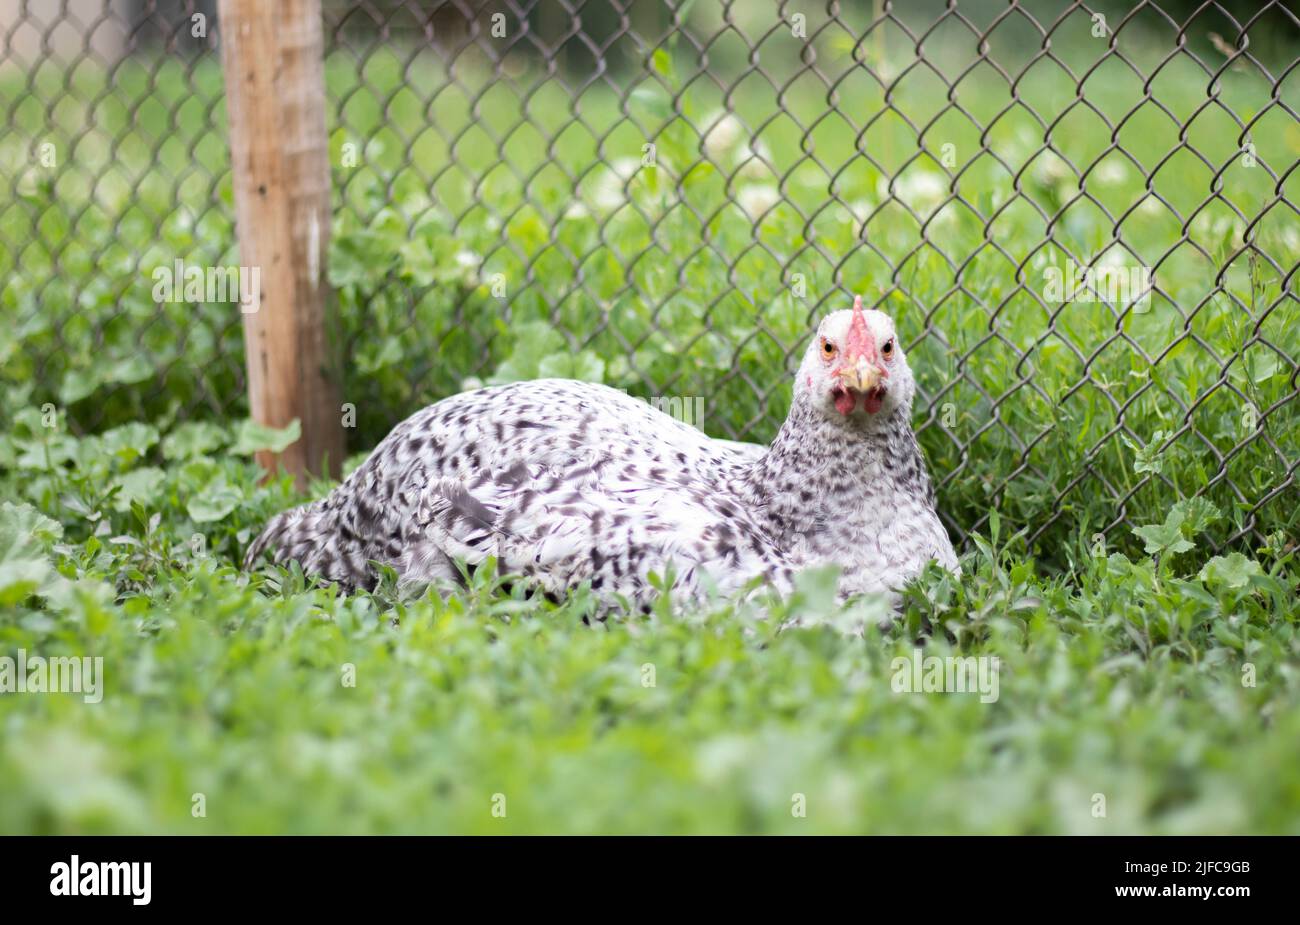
{"x": 1169, "y": 689}
{"x": 1126, "y": 562}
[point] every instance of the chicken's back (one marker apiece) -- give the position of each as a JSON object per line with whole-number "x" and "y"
{"x": 558, "y": 423}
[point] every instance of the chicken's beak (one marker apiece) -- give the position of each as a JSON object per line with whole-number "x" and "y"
{"x": 859, "y": 374}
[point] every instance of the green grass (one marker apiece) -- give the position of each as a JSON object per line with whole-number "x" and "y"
{"x": 1053, "y": 431}
{"x": 1123, "y": 677}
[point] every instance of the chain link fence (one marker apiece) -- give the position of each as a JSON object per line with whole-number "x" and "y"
{"x": 1080, "y": 215}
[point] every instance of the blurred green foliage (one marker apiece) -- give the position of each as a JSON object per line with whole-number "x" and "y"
{"x": 1167, "y": 683}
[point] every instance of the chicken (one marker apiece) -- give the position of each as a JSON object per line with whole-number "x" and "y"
{"x": 571, "y": 482}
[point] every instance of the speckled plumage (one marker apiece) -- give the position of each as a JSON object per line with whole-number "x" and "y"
{"x": 566, "y": 482}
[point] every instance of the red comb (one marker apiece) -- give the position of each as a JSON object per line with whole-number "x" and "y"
{"x": 859, "y": 341}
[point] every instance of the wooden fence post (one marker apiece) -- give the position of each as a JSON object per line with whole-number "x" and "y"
{"x": 273, "y": 61}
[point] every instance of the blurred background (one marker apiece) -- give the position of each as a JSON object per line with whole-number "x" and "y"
{"x": 664, "y": 196}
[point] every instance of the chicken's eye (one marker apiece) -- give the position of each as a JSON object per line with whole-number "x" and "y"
{"x": 888, "y": 349}
{"x": 828, "y": 349}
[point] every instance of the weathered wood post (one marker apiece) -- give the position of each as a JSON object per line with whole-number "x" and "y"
{"x": 273, "y": 60}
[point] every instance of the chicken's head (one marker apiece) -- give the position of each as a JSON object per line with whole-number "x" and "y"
{"x": 854, "y": 368}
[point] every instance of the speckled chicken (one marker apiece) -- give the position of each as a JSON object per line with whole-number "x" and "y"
{"x": 569, "y": 482}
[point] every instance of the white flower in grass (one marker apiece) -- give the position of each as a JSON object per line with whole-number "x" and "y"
{"x": 919, "y": 190}
{"x": 753, "y": 160}
{"x": 1051, "y": 170}
{"x": 860, "y": 209}
{"x": 756, "y": 199}
{"x": 724, "y": 132}
{"x": 625, "y": 167}
{"x": 469, "y": 262}
{"x": 1213, "y": 232}
{"x": 945, "y": 219}
{"x": 1023, "y": 146}
{"x": 28, "y": 182}
{"x": 1291, "y": 239}
{"x": 1116, "y": 259}
{"x": 1231, "y": 230}
{"x": 1151, "y": 206}
{"x": 856, "y": 214}
{"x": 1109, "y": 173}
{"x": 610, "y": 189}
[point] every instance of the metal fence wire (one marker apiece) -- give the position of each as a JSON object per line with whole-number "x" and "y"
{"x": 1081, "y": 216}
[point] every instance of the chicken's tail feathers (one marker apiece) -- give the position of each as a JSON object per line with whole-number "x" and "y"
{"x": 458, "y": 522}
{"x": 494, "y": 517}
{"x": 292, "y": 534}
